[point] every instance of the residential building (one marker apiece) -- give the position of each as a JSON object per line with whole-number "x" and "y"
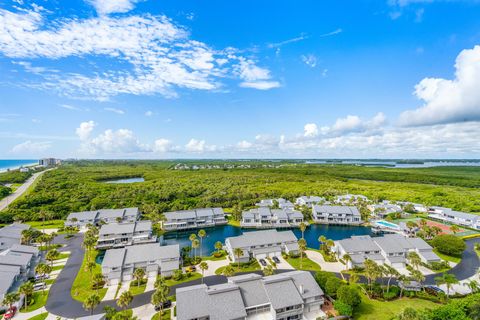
{"x": 282, "y": 203}
{"x": 290, "y": 295}
{"x": 416, "y": 206}
{"x": 98, "y": 217}
{"x": 309, "y": 200}
{"x": 261, "y": 244}
{"x": 24, "y": 257}
{"x": 327, "y": 214}
{"x": 8, "y": 276}
{"x": 383, "y": 209}
{"x": 117, "y": 235}
{"x": 455, "y": 217}
{"x": 265, "y": 217}
{"x": 49, "y": 162}
{"x": 351, "y": 199}
{"x": 391, "y": 249}
{"x": 119, "y": 264}
{"x": 192, "y": 219}
{"x": 12, "y": 234}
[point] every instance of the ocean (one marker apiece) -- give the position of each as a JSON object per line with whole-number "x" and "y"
{"x": 14, "y": 164}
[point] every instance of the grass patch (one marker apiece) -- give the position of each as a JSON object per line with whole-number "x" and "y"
{"x": 386, "y": 310}
{"x": 244, "y": 267}
{"x": 41, "y": 316}
{"x": 82, "y": 286}
{"x": 307, "y": 264}
{"x": 55, "y": 268}
{"x": 447, "y": 257}
{"x": 50, "y": 224}
{"x": 63, "y": 256}
{"x": 213, "y": 258}
{"x": 136, "y": 289}
{"x": 190, "y": 276}
{"x": 50, "y": 247}
{"x": 36, "y": 301}
{"x": 165, "y": 316}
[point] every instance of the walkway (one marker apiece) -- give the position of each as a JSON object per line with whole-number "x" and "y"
{"x": 17, "y": 193}
{"x": 326, "y": 266}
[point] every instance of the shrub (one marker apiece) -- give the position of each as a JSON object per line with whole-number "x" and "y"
{"x": 332, "y": 285}
{"x": 177, "y": 275}
{"x": 322, "y": 276}
{"x": 343, "y": 308}
{"x": 439, "y": 265}
{"x": 349, "y": 295}
{"x": 449, "y": 244}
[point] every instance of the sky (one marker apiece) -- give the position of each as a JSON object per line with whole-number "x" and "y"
{"x": 159, "y": 79}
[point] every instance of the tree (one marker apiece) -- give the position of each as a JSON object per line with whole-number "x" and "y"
{"x": 195, "y": 245}
{"x": 268, "y": 270}
{"x": 474, "y": 311}
{"x": 203, "y": 266}
{"x": 42, "y": 269}
{"x": 408, "y": 314}
{"x": 44, "y": 215}
{"x": 52, "y": 255}
{"x": 218, "y": 246}
{"x": 97, "y": 281}
{"x": 90, "y": 266}
{"x": 302, "y": 227}
{"x": 160, "y": 281}
{"x": 372, "y": 271}
{"x": 323, "y": 240}
{"x": 139, "y": 274}
{"x": 347, "y": 258}
{"x": 454, "y": 229}
{"x": 417, "y": 276}
{"x": 332, "y": 285}
{"x": 228, "y": 271}
{"x": 238, "y": 252}
{"x": 302, "y": 247}
{"x": 414, "y": 259}
{"x": 390, "y": 272}
{"x": 201, "y": 234}
{"x": 349, "y": 295}
{"x": 27, "y": 290}
{"x": 473, "y": 285}
{"x": 160, "y": 296}
{"x": 343, "y": 308}
{"x": 125, "y": 299}
{"x": 192, "y": 238}
{"x": 448, "y": 280}
{"x": 91, "y": 302}
{"x": 10, "y": 299}
{"x": 449, "y": 244}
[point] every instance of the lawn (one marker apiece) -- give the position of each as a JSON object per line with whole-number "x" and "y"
{"x": 245, "y": 267}
{"x": 307, "y": 264}
{"x": 213, "y": 258}
{"x": 50, "y": 224}
{"x": 63, "y": 256}
{"x": 380, "y": 310}
{"x": 193, "y": 276}
{"x": 447, "y": 257}
{"x": 39, "y": 299}
{"x": 82, "y": 286}
{"x": 41, "y": 316}
{"x": 165, "y": 316}
{"x": 138, "y": 289}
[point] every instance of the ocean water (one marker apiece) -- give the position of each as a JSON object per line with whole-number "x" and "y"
{"x": 14, "y": 164}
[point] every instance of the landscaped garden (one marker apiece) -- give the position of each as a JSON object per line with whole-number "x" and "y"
{"x": 233, "y": 268}
{"x": 83, "y": 285}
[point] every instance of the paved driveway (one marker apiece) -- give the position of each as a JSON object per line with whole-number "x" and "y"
{"x": 326, "y": 266}
{"x": 283, "y": 264}
{"x": 213, "y": 265}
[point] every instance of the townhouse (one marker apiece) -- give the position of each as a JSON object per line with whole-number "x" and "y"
{"x": 119, "y": 264}
{"x": 383, "y": 209}
{"x": 309, "y": 200}
{"x": 265, "y": 217}
{"x": 351, "y": 199}
{"x": 290, "y": 295}
{"x": 391, "y": 249}
{"x": 261, "y": 244}
{"x": 344, "y": 215}
{"x": 12, "y": 234}
{"x": 192, "y": 219}
{"x": 117, "y": 235}
{"x": 98, "y": 217}
{"x": 282, "y": 203}
{"x": 455, "y": 217}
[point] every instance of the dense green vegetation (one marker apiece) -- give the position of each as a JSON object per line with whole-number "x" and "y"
{"x": 79, "y": 186}
{"x": 14, "y": 176}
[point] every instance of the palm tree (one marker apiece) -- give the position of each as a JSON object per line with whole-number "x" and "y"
{"x": 454, "y": 229}
{"x": 192, "y": 238}
{"x": 52, "y": 255}
{"x": 160, "y": 281}
{"x": 268, "y": 270}
{"x": 97, "y": 281}
{"x": 90, "y": 266}
{"x": 372, "y": 271}
{"x": 390, "y": 272}
{"x": 203, "y": 266}
{"x": 238, "y": 252}
{"x": 228, "y": 271}
{"x": 42, "y": 269}
{"x": 195, "y": 245}
{"x": 218, "y": 246}
{"x": 322, "y": 240}
{"x": 302, "y": 227}
{"x": 473, "y": 285}
{"x": 27, "y": 290}
{"x": 302, "y": 246}
{"x": 91, "y": 302}
{"x": 447, "y": 279}
{"x": 125, "y": 299}
{"x": 44, "y": 215}
{"x": 27, "y": 236}
{"x": 139, "y": 274}
{"x": 347, "y": 258}
{"x": 353, "y": 279}
{"x": 201, "y": 235}
{"x": 160, "y": 296}
{"x": 414, "y": 259}
{"x": 417, "y": 276}
{"x": 10, "y": 299}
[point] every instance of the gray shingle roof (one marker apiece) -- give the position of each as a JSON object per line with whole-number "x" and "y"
{"x": 24, "y": 249}
{"x": 348, "y": 210}
{"x": 16, "y": 259}
{"x": 282, "y": 292}
{"x": 6, "y": 281}
{"x": 193, "y": 214}
{"x": 359, "y": 244}
{"x": 255, "y": 238}
{"x": 13, "y": 230}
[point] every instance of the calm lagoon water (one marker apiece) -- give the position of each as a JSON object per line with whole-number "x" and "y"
{"x": 219, "y": 233}
{"x": 127, "y": 180}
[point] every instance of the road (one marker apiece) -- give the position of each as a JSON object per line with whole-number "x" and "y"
{"x": 17, "y": 193}
{"x": 61, "y": 303}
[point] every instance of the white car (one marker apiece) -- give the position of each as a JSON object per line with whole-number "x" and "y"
{"x": 39, "y": 286}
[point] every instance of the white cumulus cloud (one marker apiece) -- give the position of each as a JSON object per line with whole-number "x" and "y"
{"x": 162, "y": 146}
{"x": 31, "y": 148}
{"x": 310, "y": 130}
{"x": 118, "y": 141}
{"x": 112, "y": 6}
{"x": 85, "y": 129}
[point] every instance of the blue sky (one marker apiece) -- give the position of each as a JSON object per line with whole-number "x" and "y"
{"x": 239, "y": 79}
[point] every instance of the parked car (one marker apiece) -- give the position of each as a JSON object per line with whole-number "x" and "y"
{"x": 167, "y": 304}
{"x": 10, "y": 313}
{"x": 263, "y": 262}
{"x": 39, "y": 286}
{"x": 191, "y": 269}
{"x": 433, "y": 290}
{"x": 275, "y": 259}
{"x": 40, "y": 277}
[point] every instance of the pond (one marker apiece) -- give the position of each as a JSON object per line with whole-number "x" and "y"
{"x": 219, "y": 233}
{"x": 126, "y": 180}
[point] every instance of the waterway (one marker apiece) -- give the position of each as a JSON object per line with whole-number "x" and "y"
{"x": 219, "y": 233}
{"x": 126, "y": 180}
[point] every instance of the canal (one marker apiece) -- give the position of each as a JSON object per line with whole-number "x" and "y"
{"x": 219, "y": 233}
